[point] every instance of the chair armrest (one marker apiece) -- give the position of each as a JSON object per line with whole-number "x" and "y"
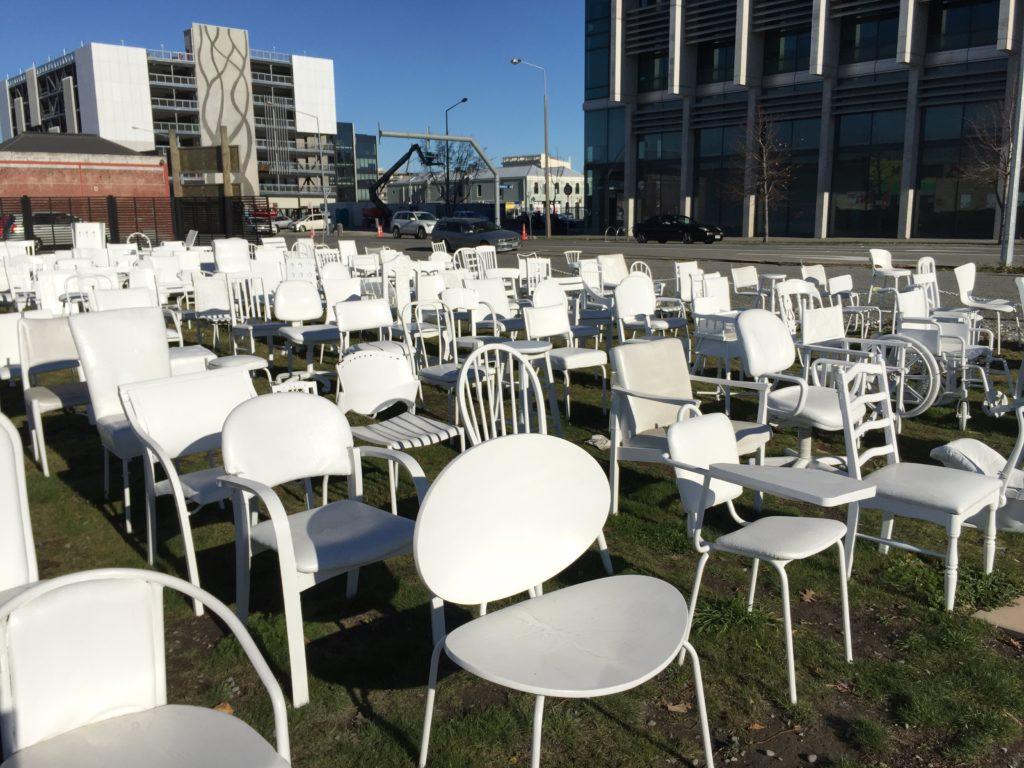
{"x": 797, "y": 381}
{"x": 823, "y": 489}
{"x": 756, "y": 386}
{"x": 419, "y": 479}
{"x": 275, "y": 511}
{"x": 680, "y": 401}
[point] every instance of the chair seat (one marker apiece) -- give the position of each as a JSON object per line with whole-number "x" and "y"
{"x": 473, "y": 342}
{"x": 190, "y": 359}
{"x": 200, "y": 487}
{"x": 55, "y": 397}
{"x": 783, "y": 538}
{"x": 118, "y": 437}
{"x": 528, "y": 346}
{"x": 893, "y": 272}
{"x": 821, "y": 409}
{"x": 991, "y": 305}
{"x": 342, "y": 535}
{"x": 396, "y": 348}
{"x": 171, "y": 736}
{"x": 310, "y": 334}
{"x": 405, "y": 431}
{"x": 446, "y": 374}
{"x": 572, "y": 358}
{"x": 508, "y": 324}
{"x": 585, "y": 331}
{"x": 505, "y": 273}
{"x": 930, "y": 492}
{"x": 750, "y": 436}
{"x": 257, "y": 327}
{"x": 952, "y": 347}
{"x": 591, "y": 639}
{"x": 249, "y": 362}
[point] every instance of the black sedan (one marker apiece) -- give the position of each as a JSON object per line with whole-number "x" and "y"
{"x": 665, "y": 227}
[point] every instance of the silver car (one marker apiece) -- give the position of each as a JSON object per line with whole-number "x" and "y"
{"x": 419, "y": 224}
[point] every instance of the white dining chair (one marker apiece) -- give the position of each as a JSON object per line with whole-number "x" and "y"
{"x": 101, "y": 700}
{"x": 282, "y": 438}
{"x": 597, "y": 638}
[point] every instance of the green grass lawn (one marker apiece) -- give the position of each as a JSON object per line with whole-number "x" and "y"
{"x": 927, "y": 687}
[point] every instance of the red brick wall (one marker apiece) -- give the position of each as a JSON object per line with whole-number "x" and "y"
{"x": 58, "y": 178}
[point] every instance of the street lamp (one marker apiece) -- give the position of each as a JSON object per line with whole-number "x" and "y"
{"x": 320, "y": 152}
{"x": 547, "y": 158}
{"x": 447, "y": 157}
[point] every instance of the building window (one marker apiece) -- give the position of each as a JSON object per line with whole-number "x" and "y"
{"x": 956, "y": 24}
{"x": 651, "y": 72}
{"x": 718, "y": 177}
{"x": 950, "y": 201}
{"x": 792, "y": 214}
{"x": 479, "y": 191}
{"x": 868, "y": 38}
{"x": 715, "y": 62}
{"x": 577, "y": 188}
{"x": 866, "y": 174}
{"x": 787, "y": 50}
{"x": 536, "y": 188}
{"x": 659, "y": 146}
{"x": 597, "y": 42}
{"x": 604, "y": 135}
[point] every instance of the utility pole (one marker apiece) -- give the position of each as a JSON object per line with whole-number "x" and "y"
{"x": 448, "y": 159}
{"x": 1013, "y": 193}
{"x": 546, "y": 158}
{"x": 323, "y": 167}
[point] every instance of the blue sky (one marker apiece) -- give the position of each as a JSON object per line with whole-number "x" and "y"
{"x": 398, "y": 63}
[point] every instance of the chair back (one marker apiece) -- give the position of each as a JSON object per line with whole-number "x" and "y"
{"x": 572, "y": 259}
{"x": 10, "y": 356}
{"x": 120, "y": 347}
{"x": 685, "y": 272}
{"x": 912, "y": 303}
{"x": 766, "y": 341}
{"x": 439, "y": 247}
{"x": 794, "y": 298}
{"x": 613, "y": 268}
{"x": 744, "y": 278}
{"x": 543, "y": 322}
{"x": 717, "y": 287}
{"x": 373, "y": 381}
{"x": 212, "y": 297}
{"x": 641, "y": 267}
{"x": 297, "y": 301}
{"x": 184, "y": 415}
{"x": 880, "y": 258}
{"x": 929, "y": 283}
{"x": 701, "y": 441}
{"x": 45, "y": 344}
{"x": 491, "y": 291}
{"x": 822, "y": 324}
{"x": 815, "y": 274}
{"x": 467, "y": 259}
{"x": 348, "y": 250}
{"x": 635, "y": 298}
{"x": 17, "y": 549}
{"x": 300, "y": 265}
{"x": 865, "y": 384}
{"x": 965, "y": 276}
{"x": 103, "y": 299}
{"x": 658, "y": 367}
{"x": 334, "y": 270}
{"x": 362, "y": 315}
{"x": 284, "y": 437}
{"x": 470, "y": 553}
{"x": 487, "y": 256}
{"x": 548, "y": 292}
{"x": 340, "y": 289}
{"x": 499, "y": 393}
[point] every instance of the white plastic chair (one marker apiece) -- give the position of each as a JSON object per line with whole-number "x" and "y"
{"x": 175, "y": 418}
{"x": 101, "y": 700}
{"x": 368, "y": 315}
{"x": 600, "y": 637}
{"x": 702, "y": 451}
{"x": 281, "y": 438}
{"x": 636, "y": 307}
{"x": 613, "y": 269}
{"x": 231, "y": 255}
{"x": 965, "y": 276}
{"x": 297, "y": 302}
{"x": 18, "y": 566}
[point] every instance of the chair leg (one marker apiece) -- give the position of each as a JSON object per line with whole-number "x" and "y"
{"x": 698, "y": 575}
{"x": 428, "y": 716}
{"x": 296, "y": 639}
{"x": 753, "y": 584}
{"x": 952, "y": 567}
{"x": 852, "y": 520}
{"x": 127, "y": 496}
{"x": 887, "y": 526}
{"x": 392, "y": 487}
{"x": 37, "y": 429}
{"x": 787, "y": 621}
{"x": 538, "y": 724}
{"x": 613, "y": 476}
{"x": 845, "y": 602}
{"x": 698, "y": 689}
{"x": 243, "y": 563}
{"x": 990, "y": 539}
{"x": 606, "y": 559}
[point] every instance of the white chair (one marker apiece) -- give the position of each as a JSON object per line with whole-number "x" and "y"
{"x": 101, "y": 700}
{"x": 966, "y": 275}
{"x": 10, "y": 355}
{"x": 816, "y": 275}
{"x": 651, "y": 389}
{"x": 745, "y": 282}
{"x": 572, "y": 260}
{"x": 600, "y": 637}
{"x": 282, "y": 438}
{"x": 794, "y": 297}
{"x": 613, "y": 269}
{"x": 371, "y": 382}
{"x": 105, "y": 299}
{"x": 119, "y": 347}
{"x": 933, "y": 494}
{"x": 231, "y": 255}
{"x": 882, "y": 271}
{"x": 18, "y": 566}
{"x": 768, "y": 353}
{"x": 489, "y": 269}
{"x": 702, "y": 451}
{"x": 636, "y": 307}
{"x": 550, "y": 292}
{"x": 297, "y": 303}
{"x": 45, "y": 345}
{"x": 175, "y": 418}
{"x": 368, "y": 315}
{"x": 500, "y": 317}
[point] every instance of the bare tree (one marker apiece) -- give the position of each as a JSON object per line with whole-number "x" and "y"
{"x": 989, "y": 153}
{"x": 767, "y": 158}
{"x": 456, "y": 165}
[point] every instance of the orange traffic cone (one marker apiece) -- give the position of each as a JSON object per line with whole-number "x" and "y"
{"x": 380, "y": 229}
{"x": 524, "y": 236}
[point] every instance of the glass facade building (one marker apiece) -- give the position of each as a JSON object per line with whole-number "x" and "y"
{"x": 881, "y": 108}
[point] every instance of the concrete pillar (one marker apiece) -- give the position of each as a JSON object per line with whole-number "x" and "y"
{"x": 686, "y": 161}
{"x": 826, "y": 152}
{"x": 1006, "y": 37}
{"x": 820, "y": 63}
{"x": 617, "y": 51}
{"x": 676, "y": 46}
{"x": 629, "y": 167}
{"x": 35, "y": 112}
{"x": 19, "y": 115}
{"x": 909, "y": 43}
{"x": 741, "y": 76}
{"x": 908, "y": 177}
{"x": 70, "y": 107}
{"x": 749, "y": 198}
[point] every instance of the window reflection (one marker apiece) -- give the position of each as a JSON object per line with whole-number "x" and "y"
{"x": 866, "y": 174}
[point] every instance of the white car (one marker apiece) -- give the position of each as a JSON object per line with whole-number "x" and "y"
{"x": 315, "y": 221}
{"x": 417, "y": 223}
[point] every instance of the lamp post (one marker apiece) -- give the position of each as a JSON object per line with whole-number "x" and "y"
{"x": 547, "y": 159}
{"x": 447, "y": 157}
{"x": 320, "y": 153}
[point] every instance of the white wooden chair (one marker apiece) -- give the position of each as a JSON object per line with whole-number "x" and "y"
{"x": 599, "y": 637}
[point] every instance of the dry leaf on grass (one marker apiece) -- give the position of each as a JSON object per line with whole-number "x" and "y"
{"x": 808, "y": 596}
{"x": 226, "y": 708}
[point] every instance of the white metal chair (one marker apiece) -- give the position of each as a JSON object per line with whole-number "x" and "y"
{"x": 572, "y": 260}
{"x": 926, "y": 492}
{"x": 702, "y": 451}
{"x": 613, "y": 269}
{"x": 101, "y": 700}
{"x": 45, "y": 345}
{"x": 636, "y": 308}
{"x": 281, "y": 438}
{"x": 598, "y": 638}
{"x": 297, "y": 303}
{"x": 118, "y": 347}
{"x": 745, "y": 282}
{"x": 652, "y": 389}
{"x": 175, "y": 418}
{"x": 368, "y": 315}
{"x": 18, "y": 566}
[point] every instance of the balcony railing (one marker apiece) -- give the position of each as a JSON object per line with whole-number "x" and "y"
{"x": 261, "y": 55}
{"x": 157, "y": 78}
{"x": 295, "y": 189}
{"x": 262, "y": 122}
{"x": 291, "y": 146}
{"x": 191, "y": 129}
{"x": 183, "y": 105}
{"x": 264, "y": 77}
{"x": 261, "y": 99}
{"x": 162, "y": 55}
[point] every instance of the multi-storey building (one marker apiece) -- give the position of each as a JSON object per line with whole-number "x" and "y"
{"x": 277, "y": 108}
{"x": 880, "y": 103}
{"x": 356, "y": 164}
